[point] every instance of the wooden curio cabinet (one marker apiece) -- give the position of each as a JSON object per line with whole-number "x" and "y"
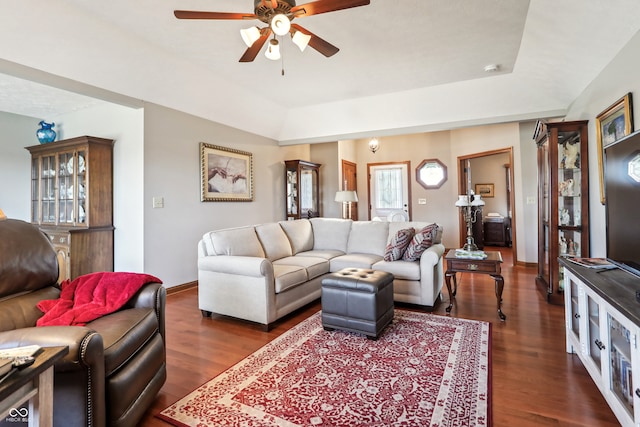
{"x": 563, "y": 201}
{"x": 72, "y": 202}
{"x": 302, "y": 189}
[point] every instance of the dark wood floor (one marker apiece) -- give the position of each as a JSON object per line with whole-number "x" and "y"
{"x": 535, "y": 382}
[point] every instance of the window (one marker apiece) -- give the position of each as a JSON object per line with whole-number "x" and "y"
{"x": 431, "y": 174}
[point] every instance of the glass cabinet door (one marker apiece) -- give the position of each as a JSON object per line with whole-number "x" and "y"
{"x": 593, "y": 338}
{"x": 308, "y": 196}
{"x": 620, "y": 372}
{"x": 292, "y": 193}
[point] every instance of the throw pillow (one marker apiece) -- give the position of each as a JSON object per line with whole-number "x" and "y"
{"x": 422, "y": 240}
{"x": 396, "y": 247}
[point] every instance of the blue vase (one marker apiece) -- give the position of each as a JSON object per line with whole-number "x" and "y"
{"x": 46, "y": 133}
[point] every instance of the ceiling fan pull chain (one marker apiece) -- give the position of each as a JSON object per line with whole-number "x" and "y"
{"x": 282, "y": 63}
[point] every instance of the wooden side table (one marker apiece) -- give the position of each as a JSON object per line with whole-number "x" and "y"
{"x": 34, "y": 383}
{"x": 490, "y": 265}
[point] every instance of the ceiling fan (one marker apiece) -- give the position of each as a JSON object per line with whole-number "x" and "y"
{"x": 278, "y": 14}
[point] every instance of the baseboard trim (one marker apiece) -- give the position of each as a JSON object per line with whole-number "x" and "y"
{"x": 182, "y": 288}
{"x": 527, "y": 264}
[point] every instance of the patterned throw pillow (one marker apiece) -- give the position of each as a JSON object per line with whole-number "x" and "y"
{"x": 422, "y": 240}
{"x": 397, "y": 245}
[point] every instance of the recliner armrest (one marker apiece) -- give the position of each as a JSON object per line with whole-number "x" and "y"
{"x": 151, "y": 295}
{"x": 85, "y": 345}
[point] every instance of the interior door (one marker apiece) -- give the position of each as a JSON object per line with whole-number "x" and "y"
{"x": 389, "y": 185}
{"x": 350, "y": 183}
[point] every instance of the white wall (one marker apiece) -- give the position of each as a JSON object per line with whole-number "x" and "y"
{"x": 15, "y": 164}
{"x": 526, "y": 190}
{"x": 172, "y": 171}
{"x": 618, "y": 78}
{"x": 125, "y": 126}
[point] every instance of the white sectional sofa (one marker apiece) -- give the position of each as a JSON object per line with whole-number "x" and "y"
{"x": 262, "y": 272}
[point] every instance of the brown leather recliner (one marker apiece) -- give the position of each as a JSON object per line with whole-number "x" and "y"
{"x": 116, "y": 364}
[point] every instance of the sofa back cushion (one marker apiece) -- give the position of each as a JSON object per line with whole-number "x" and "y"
{"x": 28, "y": 261}
{"x": 242, "y": 241}
{"x": 274, "y": 241}
{"x": 368, "y": 237}
{"x": 300, "y": 234}
{"x": 330, "y": 233}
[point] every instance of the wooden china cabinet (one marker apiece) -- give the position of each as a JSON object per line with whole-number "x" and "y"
{"x": 563, "y": 201}
{"x": 72, "y": 202}
{"x": 302, "y": 187}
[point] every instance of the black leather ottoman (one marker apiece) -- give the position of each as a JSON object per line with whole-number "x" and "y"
{"x": 357, "y": 300}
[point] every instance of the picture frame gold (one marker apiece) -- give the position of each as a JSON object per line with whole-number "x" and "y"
{"x": 226, "y": 174}
{"x": 612, "y": 124}
{"x": 485, "y": 190}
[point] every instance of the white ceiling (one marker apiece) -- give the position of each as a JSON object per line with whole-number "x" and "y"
{"x": 403, "y": 65}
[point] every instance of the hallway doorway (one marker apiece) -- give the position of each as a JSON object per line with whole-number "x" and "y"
{"x": 503, "y": 182}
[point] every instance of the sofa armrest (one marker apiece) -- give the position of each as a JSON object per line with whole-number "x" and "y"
{"x": 152, "y": 295}
{"x": 432, "y": 256}
{"x": 239, "y": 265}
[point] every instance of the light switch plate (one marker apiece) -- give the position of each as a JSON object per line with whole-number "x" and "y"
{"x": 158, "y": 202}
{"x": 422, "y": 201}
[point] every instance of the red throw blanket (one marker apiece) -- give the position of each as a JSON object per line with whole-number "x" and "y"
{"x": 91, "y": 296}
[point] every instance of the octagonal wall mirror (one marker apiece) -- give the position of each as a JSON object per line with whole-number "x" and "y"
{"x": 431, "y": 174}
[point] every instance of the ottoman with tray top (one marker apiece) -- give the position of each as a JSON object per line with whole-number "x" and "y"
{"x": 357, "y": 300}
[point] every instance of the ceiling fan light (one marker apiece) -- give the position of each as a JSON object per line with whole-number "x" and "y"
{"x": 301, "y": 40}
{"x": 273, "y": 50}
{"x": 250, "y": 35}
{"x": 280, "y": 24}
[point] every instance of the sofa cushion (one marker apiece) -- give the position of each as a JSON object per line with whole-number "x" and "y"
{"x": 394, "y": 227}
{"x": 300, "y": 234}
{"x": 241, "y": 241}
{"x": 315, "y": 266}
{"x": 274, "y": 241}
{"x": 288, "y": 276}
{"x": 354, "y": 261}
{"x": 368, "y": 237}
{"x": 324, "y": 254}
{"x": 404, "y": 270}
{"x": 330, "y": 233}
{"x": 421, "y": 241}
{"x": 398, "y": 244}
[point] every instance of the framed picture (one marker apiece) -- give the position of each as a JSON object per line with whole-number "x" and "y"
{"x": 485, "y": 190}
{"x": 611, "y": 125}
{"x": 227, "y": 174}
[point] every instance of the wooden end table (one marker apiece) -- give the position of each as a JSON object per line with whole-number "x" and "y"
{"x": 490, "y": 265}
{"x": 34, "y": 383}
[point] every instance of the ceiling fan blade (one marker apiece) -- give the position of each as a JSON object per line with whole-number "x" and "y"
{"x": 193, "y": 14}
{"x": 324, "y": 6}
{"x": 251, "y": 53}
{"x": 321, "y": 45}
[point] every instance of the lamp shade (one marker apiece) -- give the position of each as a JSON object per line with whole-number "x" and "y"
{"x": 463, "y": 200}
{"x": 273, "y": 51}
{"x": 280, "y": 24}
{"x": 301, "y": 40}
{"x": 346, "y": 196}
{"x": 2, "y": 215}
{"x": 477, "y": 200}
{"x": 250, "y": 35}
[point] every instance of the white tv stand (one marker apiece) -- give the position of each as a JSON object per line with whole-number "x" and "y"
{"x": 602, "y": 320}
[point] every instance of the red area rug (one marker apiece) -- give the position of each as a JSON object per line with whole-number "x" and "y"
{"x": 424, "y": 370}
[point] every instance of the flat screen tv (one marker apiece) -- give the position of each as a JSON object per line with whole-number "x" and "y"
{"x": 622, "y": 202}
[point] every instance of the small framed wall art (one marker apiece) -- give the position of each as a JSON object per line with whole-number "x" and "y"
{"x": 611, "y": 125}
{"x": 227, "y": 174}
{"x": 485, "y": 190}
